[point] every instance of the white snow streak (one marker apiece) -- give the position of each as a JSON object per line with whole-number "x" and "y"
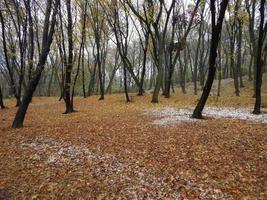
{"x": 169, "y": 115}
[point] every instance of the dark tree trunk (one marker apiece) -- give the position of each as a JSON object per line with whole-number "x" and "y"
{"x": 31, "y": 39}
{"x": 92, "y": 82}
{"x": 67, "y": 96}
{"x": 83, "y": 75}
{"x": 171, "y": 63}
{"x": 141, "y": 88}
{"x": 48, "y": 33}
{"x": 125, "y": 84}
{"x": 100, "y": 76}
{"x": 1, "y": 99}
{"x": 10, "y": 71}
{"x": 259, "y": 62}
{"x": 234, "y": 68}
{"x": 116, "y": 66}
{"x": 251, "y": 7}
{"x": 216, "y": 31}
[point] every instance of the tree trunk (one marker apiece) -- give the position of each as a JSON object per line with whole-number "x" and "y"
{"x": 67, "y": 96}
{"x": 31, "y": 38}
{"x": 250, "y": 69}
{"x": 219, "y": 72}
{"x": 92, "y": 82}
{"x": 259, "y": 63}
{"x": 160, "y": 73}
{"x": 239, "y": 54}
{"x": 125, "y": 84}
{"x": 83, "y": 75}
{"x": 216, "y": 31}
{"x": 1, "y": 99}
{"x": 234, "y": 68}
{"x": 47, "y": 40}
{"x": 10, "y": 71}
{"x": 196, "y": 59}
{"x": 182, "y": 76}
{"x": 141, "y": 88}
{"x": 50, "y": 82}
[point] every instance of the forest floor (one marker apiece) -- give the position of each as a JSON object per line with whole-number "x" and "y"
{"x": 113, "y": 150}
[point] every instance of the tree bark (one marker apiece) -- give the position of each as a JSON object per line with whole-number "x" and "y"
{"x": 259, "y": 62}
{"x": 47, "y": 40}
{"x": 67, "y": 88}
{"x": 10, "y": 71}
{"x": 1, "y": 99}
{"x": 239, "y": 54}
{"x": 216, "y": 31}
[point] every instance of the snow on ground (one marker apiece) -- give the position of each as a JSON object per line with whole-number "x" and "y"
{"x": 138, "y": 181}
{"x": 169, "y": 115}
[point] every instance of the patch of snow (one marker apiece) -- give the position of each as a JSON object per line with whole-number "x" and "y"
{"x": 168, "y": 115}
{"x": 235, "y": 113}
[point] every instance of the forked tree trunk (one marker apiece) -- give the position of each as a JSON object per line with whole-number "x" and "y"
{"x": 216, "y": 31}
{"x": 91, "y": 85}
{"x": 48, "y": 33}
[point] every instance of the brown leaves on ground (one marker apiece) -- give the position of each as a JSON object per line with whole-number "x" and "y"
{"x": 110, "y": 150}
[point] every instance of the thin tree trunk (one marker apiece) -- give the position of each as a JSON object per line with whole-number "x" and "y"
{"x": 92, "y": 81}
{"x": 83, "y": 75}
{"x": 219, "y": 71}
{"x": 125, "y": 84}
{"x": 239, "y": 54}
{"x": 234, "y": 68}
{"x": 196, "y": 59}
{"x": 50, "y": 82}
{"x": 141, "y": 88}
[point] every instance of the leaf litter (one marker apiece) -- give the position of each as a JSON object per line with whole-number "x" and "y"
{"x": 110, "y": 150}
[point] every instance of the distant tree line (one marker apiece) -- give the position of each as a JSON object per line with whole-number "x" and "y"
{"x": 67, "y": 48}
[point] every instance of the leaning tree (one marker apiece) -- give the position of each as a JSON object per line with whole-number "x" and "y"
{"x": 215, "y": 38}
{"x": 47, "y": 38}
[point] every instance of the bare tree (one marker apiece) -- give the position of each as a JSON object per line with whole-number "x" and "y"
{"x": 215, "y": 38}
{"x": 48, "y": 32}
